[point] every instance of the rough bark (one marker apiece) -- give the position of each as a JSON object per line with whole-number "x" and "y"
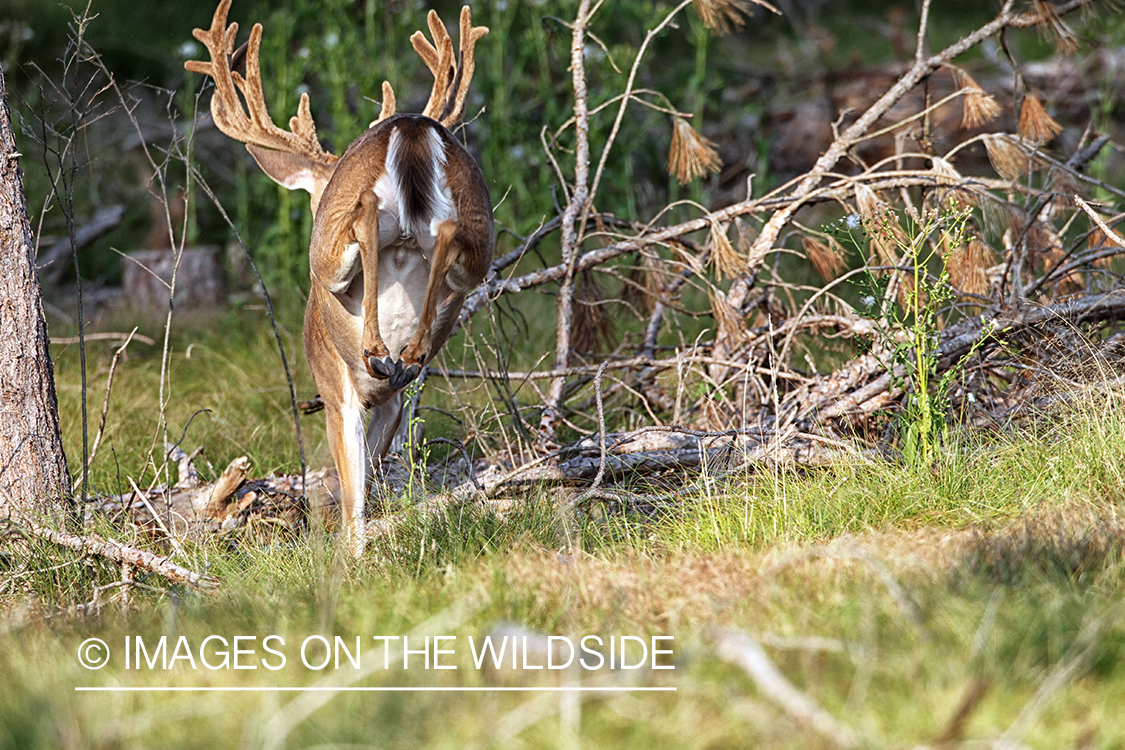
{"x": 33, "y": 471}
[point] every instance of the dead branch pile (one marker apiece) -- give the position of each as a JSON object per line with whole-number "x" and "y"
{"x": 728, "y": 328}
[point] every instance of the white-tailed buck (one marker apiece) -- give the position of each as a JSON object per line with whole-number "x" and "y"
{"x": 402, "y": 230}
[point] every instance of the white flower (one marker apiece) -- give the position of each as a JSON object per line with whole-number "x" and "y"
{"x": 189, "y": 50}
{"x": 331, "y": 39}
{"x": 852, "y": 221}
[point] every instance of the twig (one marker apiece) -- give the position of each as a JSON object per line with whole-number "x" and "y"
{"x": 1099, "y": 221}
{"x": 105, "y": 407}
{"x": 743, "y": 651}
{"x": 627, "y": 96}
{"x": 601, "y": 437}
{"x": 571, "y": 233}
{"x": 923, "y": 23}
{"x": 157, "y": 519}
{"x": 955, "y": 726}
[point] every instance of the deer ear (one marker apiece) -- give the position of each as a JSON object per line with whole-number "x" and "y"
{"x": 293, "y": 171}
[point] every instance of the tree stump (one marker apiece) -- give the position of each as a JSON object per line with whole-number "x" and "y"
{"x": 200, "y": 282}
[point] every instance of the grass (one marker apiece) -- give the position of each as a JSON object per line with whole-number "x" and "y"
{"x": 887, "y": 594}
{"x": 891, "y": 596}
{"x": 226, "y": 390}
{"x": 895, "y": 674}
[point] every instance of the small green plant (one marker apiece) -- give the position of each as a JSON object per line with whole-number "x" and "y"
{"x": 907, "y": 295}
{"x": 416, "y": 452}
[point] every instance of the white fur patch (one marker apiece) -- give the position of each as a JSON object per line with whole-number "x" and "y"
{"x": 302, "y": 179}
{"x": 355, "y": 438}
{"x": 442, "y": 200}
{"x": 403, "y": 273}
{"x": 393, "y": 223}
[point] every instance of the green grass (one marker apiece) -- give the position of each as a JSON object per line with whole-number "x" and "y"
{"x": 896, "y": 676}
{"x": 1001, "y": 565}
{"x": 1065, "y": 459}
{"x": 884, "y": 592}
{"x": 225, "y": 390}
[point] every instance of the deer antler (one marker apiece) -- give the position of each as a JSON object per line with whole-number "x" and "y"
{"x": 451, "y": 82}
{"x": 252, "y": 124}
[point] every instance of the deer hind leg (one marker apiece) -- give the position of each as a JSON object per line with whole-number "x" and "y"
{"x": 375, "y": 354}
{"x": 420, "y": 346}
{"x": 381, "y": 430}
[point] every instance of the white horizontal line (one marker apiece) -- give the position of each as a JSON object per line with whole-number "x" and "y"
{"x": 371, "y": 689}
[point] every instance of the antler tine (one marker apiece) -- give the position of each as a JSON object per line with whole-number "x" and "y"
{"x": 439, "y": 59}
{"x": 388, "y": 109}
{"x": 455, "y": 109}
{"x": 252, "y": 124}
{"x": 232, "y": 32}
{"x": 451, "y": 82}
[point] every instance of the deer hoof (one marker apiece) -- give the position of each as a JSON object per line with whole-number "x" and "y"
{"x": 382, "y": 368}
{"x": 403, "y": 375}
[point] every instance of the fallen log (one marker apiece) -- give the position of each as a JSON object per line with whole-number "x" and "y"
{"x": 864, "y": 384}
{"x": 50, "y": 262}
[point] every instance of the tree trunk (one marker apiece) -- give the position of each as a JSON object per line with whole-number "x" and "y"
{"x": 33, "y": 473}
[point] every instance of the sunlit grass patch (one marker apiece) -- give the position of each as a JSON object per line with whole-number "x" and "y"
{"x": 888, "y": 647}
{"x": 224, "y": 389}
{"x": 1071, "y": 454}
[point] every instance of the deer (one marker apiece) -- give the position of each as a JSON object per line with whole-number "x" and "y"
{"x": 402, "y": 231}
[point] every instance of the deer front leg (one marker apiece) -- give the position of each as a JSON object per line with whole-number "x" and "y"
{"x": 347, "y": 441}
{"x": 445, "y": 254}
{"x": 375, "y": 355}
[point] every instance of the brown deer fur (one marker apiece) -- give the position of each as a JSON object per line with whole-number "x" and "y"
{"x": 402, "y": 231}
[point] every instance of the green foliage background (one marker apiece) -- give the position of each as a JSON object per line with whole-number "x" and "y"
{"x": 340, "y": 51}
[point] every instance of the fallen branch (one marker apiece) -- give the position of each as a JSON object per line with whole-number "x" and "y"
{"x": 119, "y": 553}
{"x": 919, "y": 71}
{"x": 104, "y": 336}
{"x": 864, "y": 385}
{"x": 50, "y": 263}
